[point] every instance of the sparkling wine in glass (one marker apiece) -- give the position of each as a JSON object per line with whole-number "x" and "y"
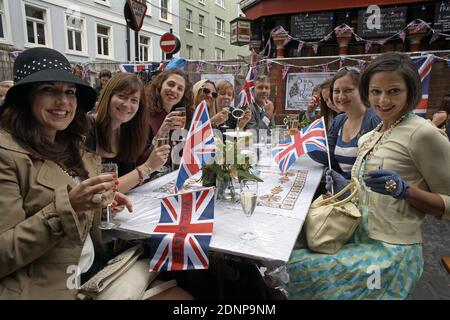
{"x": 224, "y": 126}
{"x": 248, "y": 197}
{"x": 162, "y": 141}
{"x": 109, "y": 168}
{"x": 373, "y": 163}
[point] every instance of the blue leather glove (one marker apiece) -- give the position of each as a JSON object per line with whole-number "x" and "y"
{"x": 387, "y": 182}
{"x": 332, "y": 178}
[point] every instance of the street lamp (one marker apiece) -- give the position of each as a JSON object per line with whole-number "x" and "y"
{"x": 240, "y": 31}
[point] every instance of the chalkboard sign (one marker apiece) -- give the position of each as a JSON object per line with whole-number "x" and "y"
{"x": 442, "y": 17}
{"x": 392, "y": 21}
{"x": 312, "y": 26}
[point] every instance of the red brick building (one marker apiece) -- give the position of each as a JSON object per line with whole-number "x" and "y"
{"x": 310, "y": 22}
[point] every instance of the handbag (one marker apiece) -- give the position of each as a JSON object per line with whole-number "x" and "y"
{"x": 331, "y": 222}
{"x": 125, "y": 277}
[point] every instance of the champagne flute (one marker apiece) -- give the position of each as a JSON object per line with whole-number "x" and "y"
{"x": 224, "y": 126}
{"x": 373, "y": 163}
{"x": 248, "y": 196}
{"x": 162, "y": 141}
{"x": 109, "y": 168}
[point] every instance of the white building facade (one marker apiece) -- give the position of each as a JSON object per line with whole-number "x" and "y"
{"x": 86, "y": 31}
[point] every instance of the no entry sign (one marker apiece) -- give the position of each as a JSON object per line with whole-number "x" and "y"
{"x": 169, "y": 43}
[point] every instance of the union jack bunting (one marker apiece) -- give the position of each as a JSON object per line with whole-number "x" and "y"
{"x": 218, "y": 68}
{"x": 425, "y": 63}
{"x": 246, "y": 97}
{"x": 181, "y": 239}
{"x": 236, "y": 70}
{"x": 199, "y": 148}
{"x": 310, "y": 138}
{"x": 199, "y": 67}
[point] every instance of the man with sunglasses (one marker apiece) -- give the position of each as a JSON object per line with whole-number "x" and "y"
{"x": 262, "y": 108}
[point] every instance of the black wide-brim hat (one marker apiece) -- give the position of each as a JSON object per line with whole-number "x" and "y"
{"x": 46, "y": 65}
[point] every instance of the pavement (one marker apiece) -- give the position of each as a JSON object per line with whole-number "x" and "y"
{"x": 435, "y": 281}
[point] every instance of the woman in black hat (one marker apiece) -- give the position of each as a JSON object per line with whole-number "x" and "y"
{"x": 50, "y": 190}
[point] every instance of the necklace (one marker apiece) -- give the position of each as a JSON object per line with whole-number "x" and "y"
{"x": 381, "y": 140}
{"x": 70, "y": 174}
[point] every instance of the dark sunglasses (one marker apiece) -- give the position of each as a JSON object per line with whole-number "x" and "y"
{"x": 207, "y": 91}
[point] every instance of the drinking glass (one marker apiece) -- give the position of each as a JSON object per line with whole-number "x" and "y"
{"x": 183, "y": 114}
{"x": 109, "y": 168}
{"x": 162, "y": 141}
{"x": 248, "y": 196}
{"x": 373, "y": 163}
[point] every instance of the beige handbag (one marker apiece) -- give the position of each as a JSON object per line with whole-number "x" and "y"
{"x": 330, "y": 223}
{"x": 125, "y": 277}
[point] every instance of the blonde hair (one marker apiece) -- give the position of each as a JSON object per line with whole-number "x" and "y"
{"x": 196, "y": 90}
{"x": 224, "y": 85}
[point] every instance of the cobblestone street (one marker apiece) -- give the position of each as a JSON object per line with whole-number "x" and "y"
{"x": 435, "y": 281}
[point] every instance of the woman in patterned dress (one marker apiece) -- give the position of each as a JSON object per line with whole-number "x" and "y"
{"x": 384, "y": 260}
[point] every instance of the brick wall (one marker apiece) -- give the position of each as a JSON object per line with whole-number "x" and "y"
{"x": 439, "y": 82}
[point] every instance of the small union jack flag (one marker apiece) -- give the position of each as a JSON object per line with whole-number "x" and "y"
{"x": 199, "y": 148}
{"x": 310, "y": 138}
{"x": 246, "y": 97}
{"x": 181, "y": 239}
{"x": 425, "y": 63}
{"x": 218, "y": 68}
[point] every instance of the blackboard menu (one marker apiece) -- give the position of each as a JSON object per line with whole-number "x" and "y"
{"x": 442, "y": 17}
{"x": 311, "y": 26}
{"x": 392, "y": 21}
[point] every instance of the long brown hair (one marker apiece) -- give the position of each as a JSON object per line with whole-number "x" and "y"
{"x": 133, "y": 134}
{"x": 153, "y": 91}
{"x": 20, "y": 122}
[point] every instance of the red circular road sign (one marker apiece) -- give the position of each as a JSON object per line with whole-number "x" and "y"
{"x": 168, "y": 42}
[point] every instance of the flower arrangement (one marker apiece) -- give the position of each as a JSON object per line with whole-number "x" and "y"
{"x": 233, "y": 161}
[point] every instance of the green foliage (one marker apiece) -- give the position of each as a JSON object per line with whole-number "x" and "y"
{"x": 229, "y": 163}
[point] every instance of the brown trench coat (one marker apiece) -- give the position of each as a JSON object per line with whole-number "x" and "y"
{"x": 41, "y": 237}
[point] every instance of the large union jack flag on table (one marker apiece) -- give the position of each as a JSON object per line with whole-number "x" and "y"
{"x": 425, "y": 64}
{"x": 310, "y": 138}
{"x": 199, "y": 148}
{"x": 246, "y": 97}
{"x": 181, "y": 239}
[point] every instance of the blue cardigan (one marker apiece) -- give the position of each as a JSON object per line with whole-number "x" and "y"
{"x": 370, "y": 121}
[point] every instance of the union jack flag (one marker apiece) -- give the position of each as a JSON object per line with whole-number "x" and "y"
{"x": 310, "y": 138}
{"x": 199, "y": 148}
{"x": 246, "y": 97}
{"x": 181, "y": 239}
{"x": 218, "y": 68}
{"x": 425, "y": 63}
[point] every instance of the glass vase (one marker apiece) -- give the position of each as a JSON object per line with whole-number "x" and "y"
{"x": 225, "y": 189}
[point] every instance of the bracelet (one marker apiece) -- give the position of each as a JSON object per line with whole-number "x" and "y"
{"x": 141, "y": 176}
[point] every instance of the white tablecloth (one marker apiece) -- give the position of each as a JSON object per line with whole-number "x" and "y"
{"x": 276, "y": 232}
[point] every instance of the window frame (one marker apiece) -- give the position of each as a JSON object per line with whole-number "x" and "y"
{"x": 188, "y": 20}
{"x": 147, "y": 46}
{"x": 169, "y": 16}
{"x": 105, "y": 3}
{"x": 189, "y": 51}
{"x": 222, "y": 4}
{"x": 6, "y": 23}
{"x": 201, "y": 26}
{"x": 200, "y": 55}
{"x": 216, "y": 50}
{"x": 84, "y": 51}
{"x": 110, "y": 41}
{"x": 47, "y": 25}
{"x": 217, "y": 19}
